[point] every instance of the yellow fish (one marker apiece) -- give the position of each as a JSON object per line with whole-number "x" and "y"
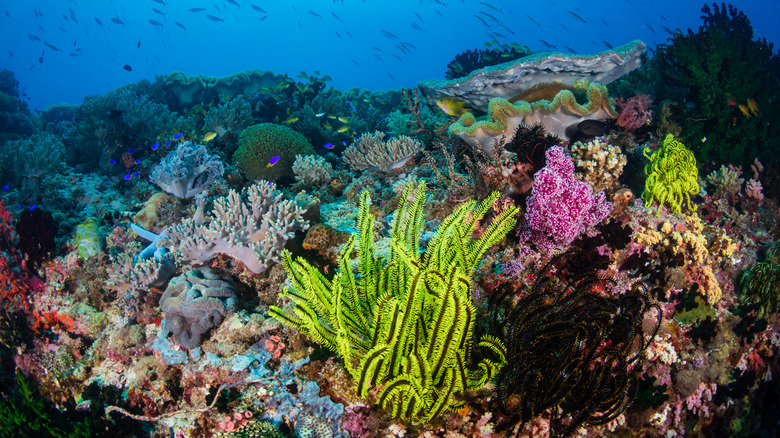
{"x": 753, "y": 106}
{"x": 343, "y": 119}
{"x": 209, "y": 136}
{"x": 290, "y": 120}
{"x": 327, "y": 126}
{"x": 344, "y": 128}
{"x": 744, "y": 109}
{"x": 452, "y": 107}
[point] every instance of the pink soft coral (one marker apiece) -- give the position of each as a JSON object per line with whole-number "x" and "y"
{"x": 633, "y": 113}
{"x": 561, "y": 207}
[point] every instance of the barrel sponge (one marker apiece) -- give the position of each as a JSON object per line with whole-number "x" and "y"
{"x": 257, "y": 144}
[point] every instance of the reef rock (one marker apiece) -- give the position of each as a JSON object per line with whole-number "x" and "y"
{"x": 510, "y": 79}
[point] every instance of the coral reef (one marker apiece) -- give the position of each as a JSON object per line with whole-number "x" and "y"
{"x": 560, "y": 116}
{"x": 373, "y": 152}
{"x": 252, "y": 231}
{"x": 193, "y": 304}
{"x": 466, "y": 62}
{"x": 312, "y": 170}
{"x": 258, "y": 145}
{"x": 560, "y": 207}
{"x": 187, "y": 171}
{"x": 599, "y": 164}
{"x": 512, "y": 78}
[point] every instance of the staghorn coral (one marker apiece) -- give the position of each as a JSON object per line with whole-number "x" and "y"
{"x": 312, "y": 170}
{"x": 599, "y": 164}
{"x": 671, "y": 175}
{"x": 187, "y": 171}
{"x": 371, "y": 151}
{"x": 253, "y": 231}
{"x": 194, "y": 303}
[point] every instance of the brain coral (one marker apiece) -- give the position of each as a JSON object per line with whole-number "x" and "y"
{"x": 258, "y": 144}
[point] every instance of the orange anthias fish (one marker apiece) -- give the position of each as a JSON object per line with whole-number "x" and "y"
{"x": 731, "y": 101}
{"x": 753, "y": 106}
{"x": 744, "y": 109}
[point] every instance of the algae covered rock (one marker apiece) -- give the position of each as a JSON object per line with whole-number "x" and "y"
{"x": 259, "y": 144}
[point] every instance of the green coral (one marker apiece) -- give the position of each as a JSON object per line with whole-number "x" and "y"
{"x": 671, "y": 175}
{"x": 761, "y": 283}
{"x": 718, "y": 68}
{"x": 258, "y": 144}
{"x": 403, "y": 326}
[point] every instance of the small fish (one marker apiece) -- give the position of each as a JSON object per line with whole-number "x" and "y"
{"x": 33, "y": 207}
{"x": 343, "y": 119}
{"x": 389, "y": 34}
{"x": 257, "y": 8}
{"x": 753, "y": 106}
{"x": 744, "y": 109}
{"x": 344, "y": 128}
{"x": 159, "y": 2}
{"x": 416, "y": 27}
{"x": 481, "y": 20}
{"x": 577, "y": 17}
{"x": 234, "y": 3}
{"x": 158, "y": 11}
{"x": 116, "y": 20}
{"x": 155, "y": 145}
{"x": 209, "y": 136}
{"x": 137, "y": 161}
{"x": 177, "y": 135}
{"x": 354, "y": 62}
{"x": 290, "y": 120}
{"x": 550, "y": 45}
{"x": 730, "y": 100}
{"x": 669, "y": 31}
{"x": 327, "y": 146}
{"x": 213, "y": 18}
{"x": 51, "y": 46}
{"x": 273, "y": 160}
{"x": 97, "y": 20}
{"x": 128, "y": 176}
{"x": 127, "y": 67}
{"x": 33, "y": 37}
{"x": 180, "y": 25}
{"x": 337, "y": 17}
{"x": 197, "y": 9}
{"x": 131, "y": 150}
{"x": 319, "y": 114}
{"x": 452, "y": 107}
{"x": 312, "y": 13}
{"x": 570, "y": 49}
{"x": 139, "y": 44}
{"x": 168, "y": 143}
{"x": 40, "y": 60}
{"x": 155, "y": 23}
{"x": 419, "y": 17}
{"x": 532, "y": 20}
{"x": 5, "y": 187}
{"x": 609, "y": 46}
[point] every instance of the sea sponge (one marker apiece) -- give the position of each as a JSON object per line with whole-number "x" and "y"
{"x": 257, "y": 144}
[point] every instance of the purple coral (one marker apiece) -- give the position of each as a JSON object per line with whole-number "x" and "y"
{"x": 560, "y": 207}
{"x": 187, "y": 171}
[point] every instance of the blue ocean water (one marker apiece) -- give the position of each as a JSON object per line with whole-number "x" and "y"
{"x": 62, "y": 51}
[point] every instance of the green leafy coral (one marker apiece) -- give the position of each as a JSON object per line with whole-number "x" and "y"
{"x": 404, "y": 325}
{"x": 671, "y": 176}
{"x": 718, "y": 68}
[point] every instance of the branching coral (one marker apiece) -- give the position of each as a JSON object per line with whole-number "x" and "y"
{"x": 727, "y": 182}
{"x": 187, "y": 171}
{"x": 253, "y": 231}
{"x": 671, "y": 175}
{"x": 404, "y": 327}
{"x": 371, "y": 151}
{"x": 572, "y": 351}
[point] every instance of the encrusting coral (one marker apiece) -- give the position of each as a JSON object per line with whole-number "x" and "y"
{"x": 371, "y": 151}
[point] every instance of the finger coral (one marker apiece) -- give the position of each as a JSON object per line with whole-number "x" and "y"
{"x": 371, "y": 151}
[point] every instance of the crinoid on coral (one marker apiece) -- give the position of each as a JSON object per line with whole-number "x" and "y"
{"x": 466, "y": 62}
{"x": 572, "y": 350}
{"x": 530, "y": 142}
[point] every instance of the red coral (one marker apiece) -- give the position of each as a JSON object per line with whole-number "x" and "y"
{"x": 14, "y": 283}
{"x": 633, "y": 113}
